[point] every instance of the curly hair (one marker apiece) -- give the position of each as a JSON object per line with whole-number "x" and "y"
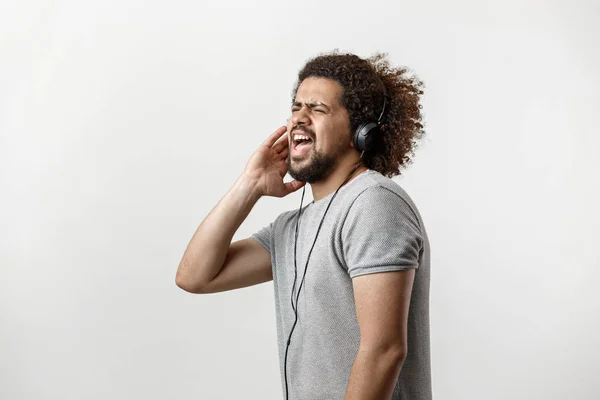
{"x": 361, "y": 79}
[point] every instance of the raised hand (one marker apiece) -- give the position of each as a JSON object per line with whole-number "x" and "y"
{"x": 267, "y": 166}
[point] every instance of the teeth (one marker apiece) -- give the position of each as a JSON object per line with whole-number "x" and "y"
{"x": 301, "y": 137}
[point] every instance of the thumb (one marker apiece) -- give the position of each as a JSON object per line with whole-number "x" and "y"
{"x": 294, "y": 185}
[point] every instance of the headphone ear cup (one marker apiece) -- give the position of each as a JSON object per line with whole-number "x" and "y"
{"x": 364, "y": 135}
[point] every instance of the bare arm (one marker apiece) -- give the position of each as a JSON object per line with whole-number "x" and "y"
{"x": 207, "y": 250}
{"x": 382, "y": 304}
{"x": 211, "y": 263}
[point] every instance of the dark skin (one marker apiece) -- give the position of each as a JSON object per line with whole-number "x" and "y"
{"x": 381, "y": 299}
{"x": 318, "y": 113}
{"x": 362, "y": 81}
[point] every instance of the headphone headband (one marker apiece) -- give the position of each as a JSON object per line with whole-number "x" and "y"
{"x": 385, "y": 97}
{"x": 366, "y": 130}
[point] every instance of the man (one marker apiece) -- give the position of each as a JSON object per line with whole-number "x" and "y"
{"x": 350, "y": 269}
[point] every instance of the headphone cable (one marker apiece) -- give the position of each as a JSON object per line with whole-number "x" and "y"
{"x": 306, "y": 266}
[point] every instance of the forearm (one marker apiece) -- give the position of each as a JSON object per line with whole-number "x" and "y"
{"x": 374, "y": 374}
{"x": 207, "y": 250}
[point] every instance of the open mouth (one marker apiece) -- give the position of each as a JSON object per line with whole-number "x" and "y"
{"x": 301, "y": 143}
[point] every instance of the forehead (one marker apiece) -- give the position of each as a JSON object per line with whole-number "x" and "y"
{"x": 319, "y": 89}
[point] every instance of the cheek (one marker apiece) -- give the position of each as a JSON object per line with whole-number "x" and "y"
{"x": 337, "y": 134}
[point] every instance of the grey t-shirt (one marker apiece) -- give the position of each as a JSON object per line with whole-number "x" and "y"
{"x": 371, "y": 226}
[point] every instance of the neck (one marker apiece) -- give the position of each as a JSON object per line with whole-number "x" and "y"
{"x": 333, "y": 181}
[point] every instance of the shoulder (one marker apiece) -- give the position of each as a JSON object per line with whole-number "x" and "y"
{"x": 380, "y": 194}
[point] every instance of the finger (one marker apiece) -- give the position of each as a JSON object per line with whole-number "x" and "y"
{"x": 282, "y": 144}
{"x": 284, "y": 152}
{"x": 283, "y": 139}
{"x": 284, "y": 157}
{"x": 274, "y": 136}
{"x": 294, "y": 185}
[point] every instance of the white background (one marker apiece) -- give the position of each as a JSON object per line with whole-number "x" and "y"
{"x": 122, "y": 123}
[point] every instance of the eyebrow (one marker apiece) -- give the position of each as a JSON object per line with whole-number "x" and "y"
{"x": 310, "y": 105}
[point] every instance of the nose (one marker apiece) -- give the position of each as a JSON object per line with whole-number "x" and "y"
{"x": 300, "y": 117}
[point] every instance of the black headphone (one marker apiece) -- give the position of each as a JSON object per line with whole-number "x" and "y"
{"x": 363, "y": 137}
{"x": 366, "y": 131}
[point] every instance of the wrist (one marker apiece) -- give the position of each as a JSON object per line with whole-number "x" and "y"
{"x": 249, "y": 187}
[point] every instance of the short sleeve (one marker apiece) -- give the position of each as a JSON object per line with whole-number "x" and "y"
{"x": 263, "y": 236}
{"x": 380, "y": 233}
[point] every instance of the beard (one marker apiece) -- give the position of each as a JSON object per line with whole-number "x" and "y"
{"x": 315, "y": 169}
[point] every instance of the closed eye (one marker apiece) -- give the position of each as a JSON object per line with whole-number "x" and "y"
{"x": 319, "y": 111}
{"x": 314, "y": 106}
